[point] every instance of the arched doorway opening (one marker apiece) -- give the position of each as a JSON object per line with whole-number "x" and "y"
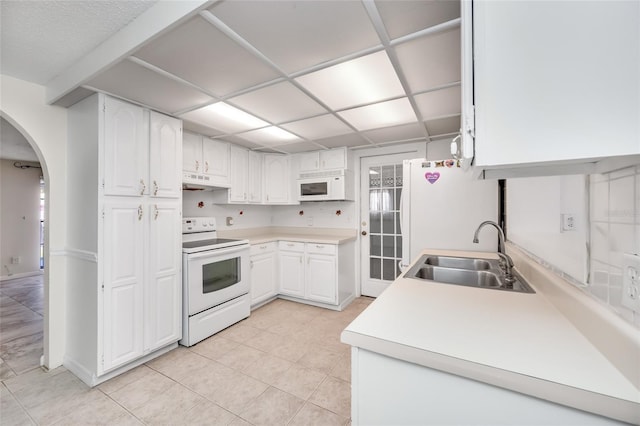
{"x": 24, "y": 337}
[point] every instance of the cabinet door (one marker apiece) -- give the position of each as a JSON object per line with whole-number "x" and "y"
{"x": 191, "y": 153}
{"x": 309, "y": 161}
{"x": 165, "y": 156}
{"x": 255, "y": 176}
{"x": 321, "y": 278}
{"x": 291, "y": 266}
{"x": 544, "y": 94}
{"x": 238, "y": 174}
{"x": 164, "y": 285}
{"x": 333, "y": 159}
{"x": 122, "y": 320}
{"x": 126, "y": 148}
{"x": 277, "y": 179}
{"x": 215, "y": 160}
{"x": 263, "y": 277}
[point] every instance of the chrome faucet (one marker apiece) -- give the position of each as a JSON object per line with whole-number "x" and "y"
{"x": 506, "y": 262}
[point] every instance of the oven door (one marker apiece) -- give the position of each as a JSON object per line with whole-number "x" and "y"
{"x": 216, "y": 276}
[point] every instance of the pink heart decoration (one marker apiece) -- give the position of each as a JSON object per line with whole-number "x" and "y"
{"x": 432, "y": 177}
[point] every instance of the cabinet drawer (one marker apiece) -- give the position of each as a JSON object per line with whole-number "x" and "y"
{"x": 321, "y": 248}
{"x": 263, "y": 248}
{"x": 291, "y": 246}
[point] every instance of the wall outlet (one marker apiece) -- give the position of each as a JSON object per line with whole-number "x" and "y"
{"x": 631, "y": 281}
{"x": 568, "y": 222}
{"x": 15, "y": 260}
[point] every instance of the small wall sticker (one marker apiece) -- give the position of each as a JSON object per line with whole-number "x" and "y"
{"x": 200, "y": 204}
{"x": 432, "y": 177}
{"x": 301, "y": 212}
{"x": 241, "y": 213}
{"x": 338, "y": 212}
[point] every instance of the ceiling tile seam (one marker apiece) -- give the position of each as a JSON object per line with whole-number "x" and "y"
{"x": 378, "y": 24}
{"x": 173, "y": 77}
{"x": 220, "y": 25}
{"x": 436, "y": 29}
{"x": 439, "y": 117}
{"x": 436, "y": 88}
{"x": 113, "y": 95}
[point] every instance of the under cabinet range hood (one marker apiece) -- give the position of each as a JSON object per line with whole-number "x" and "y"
{"x": 200, "y": 182}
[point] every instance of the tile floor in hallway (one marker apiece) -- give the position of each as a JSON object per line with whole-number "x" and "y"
{"x": 282, "y": 365}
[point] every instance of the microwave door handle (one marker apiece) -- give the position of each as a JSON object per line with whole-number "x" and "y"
{"x": 217, "y": 252}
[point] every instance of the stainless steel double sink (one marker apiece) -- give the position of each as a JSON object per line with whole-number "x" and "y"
{"x": 466, "y": 271}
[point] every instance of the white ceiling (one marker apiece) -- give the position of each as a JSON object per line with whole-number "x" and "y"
{"x": 321, "y": 73}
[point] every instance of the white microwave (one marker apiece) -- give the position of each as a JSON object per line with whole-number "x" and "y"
{"x": 333, "y": 185}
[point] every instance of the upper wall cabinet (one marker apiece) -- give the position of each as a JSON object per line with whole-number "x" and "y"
{"x": 205, "y": 161}
{"x": 556, "y": 85}
{"x": 323, "y": 160}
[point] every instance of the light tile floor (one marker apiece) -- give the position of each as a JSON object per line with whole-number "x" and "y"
{"x": 282, "y": 365}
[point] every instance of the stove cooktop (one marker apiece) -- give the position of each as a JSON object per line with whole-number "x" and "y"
{"x": 211, "y": 244}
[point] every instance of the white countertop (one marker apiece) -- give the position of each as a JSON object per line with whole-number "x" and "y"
{"x": 505, "y": 338}
{"x": 304, "y": 235}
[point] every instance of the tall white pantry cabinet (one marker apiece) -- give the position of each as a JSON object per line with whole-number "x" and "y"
{"x": 124, "y": 293}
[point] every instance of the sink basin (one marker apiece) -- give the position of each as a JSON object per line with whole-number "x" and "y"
{"x": 459, "y": 262}
{"x": 458, "y": 276}
{"x": 466, "y": 271}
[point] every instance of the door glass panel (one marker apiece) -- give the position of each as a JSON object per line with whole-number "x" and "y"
{"x": 385, "y": 250}
{"x": 219, "y": 275}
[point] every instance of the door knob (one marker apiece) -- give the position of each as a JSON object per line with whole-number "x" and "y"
{"x": 364, "y": 232}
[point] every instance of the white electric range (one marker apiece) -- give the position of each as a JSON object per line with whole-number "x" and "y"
{"x": 215, "y": 280}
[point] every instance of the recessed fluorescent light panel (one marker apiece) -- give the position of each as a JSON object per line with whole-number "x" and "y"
{"x": 383, "y": 114}
{"x": 270, "y": 136}
{"x": 356, "y": 82}
{"x": 225, "y": 117}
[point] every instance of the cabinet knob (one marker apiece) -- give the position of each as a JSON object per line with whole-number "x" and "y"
{"x": 156, "y": 212}
{"x": 155, "y": 187}
{"x": 143, "y": 187}
{"x": 197, "y": 165}
{"x": 140, "y": 212}
{"x": 206, "y": 166}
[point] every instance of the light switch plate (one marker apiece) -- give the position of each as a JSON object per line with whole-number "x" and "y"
{"x": 631, "y": 281}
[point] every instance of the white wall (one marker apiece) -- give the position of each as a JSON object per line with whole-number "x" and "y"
{"x": 534, "y": 208}
{"x": 45, "y": 127}
{"x": 615, "y": 229}
{"x": 317, "y": 215}
{"x": 252, "y": 216}
{"x": 19, "y": 219}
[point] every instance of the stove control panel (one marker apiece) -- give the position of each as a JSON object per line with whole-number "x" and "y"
{"x": 198, "y": 224}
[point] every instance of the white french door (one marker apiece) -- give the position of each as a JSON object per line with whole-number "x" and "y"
{"x": 381, "y": 241}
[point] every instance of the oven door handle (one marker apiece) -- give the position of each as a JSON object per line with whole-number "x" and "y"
{"x": 217, "y": 252}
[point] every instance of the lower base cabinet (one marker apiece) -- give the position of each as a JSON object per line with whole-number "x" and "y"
{"x": 264, "y": 268}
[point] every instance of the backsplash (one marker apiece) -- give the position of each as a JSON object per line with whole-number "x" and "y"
{"x": 244, "y": 215}
{"x": 615, "y": 229}
{"x": 326, "y": 214}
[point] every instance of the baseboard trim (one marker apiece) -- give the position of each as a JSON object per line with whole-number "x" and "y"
{"x": 21, "y": 275}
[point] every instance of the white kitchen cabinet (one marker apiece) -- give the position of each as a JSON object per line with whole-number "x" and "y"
{"x": 238, "y": 174}
{"x": 277, "y": 179}
{"x": 256, "y": 162}
{"x": 122, "y": 282}
{"x": 205, "y": 161}
{"x": 291, "y": 267}
{"x": 163, "y": 295}
{"x": 165, "y": 146}
{"x": 126, "y": 148}
{"x": 321, "y": 278}
{"x": 264, "y": 273}
{"x": 125, "y": 280}
{"x": 545, "y": 96}
{"x": 215, "y": 161}
{"x": 330, "y": 159}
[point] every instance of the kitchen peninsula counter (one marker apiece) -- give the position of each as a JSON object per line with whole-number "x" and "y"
{"x": 283, "y": 233}
{"x": 515, "y": 341}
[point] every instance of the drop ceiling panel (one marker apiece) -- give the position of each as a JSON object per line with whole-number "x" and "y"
{"x": 350, "y": 139}
{"x": 405, "y": 17}
{"x": 397, "y": 133}
{"x": 269, "y": 136}
{"x": 383, "y": 114}
{"x": 297, "y": 147}
{"x": 224, "y": 117}
{"x": 201, "y": 129}
{"x": 442, "y": 126}
{"x": 439, "y": 102}
{"x": 136, "y": 83}
{"x": 298, "y": 35}
{"x": 201, "y": 54}
{"x": 318, "y": 127}
{"x": 279, "y": 103}
{"x": 431, "y": 61}
{"x": 368, "y": 79}
{"x": 239, "y": 141}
